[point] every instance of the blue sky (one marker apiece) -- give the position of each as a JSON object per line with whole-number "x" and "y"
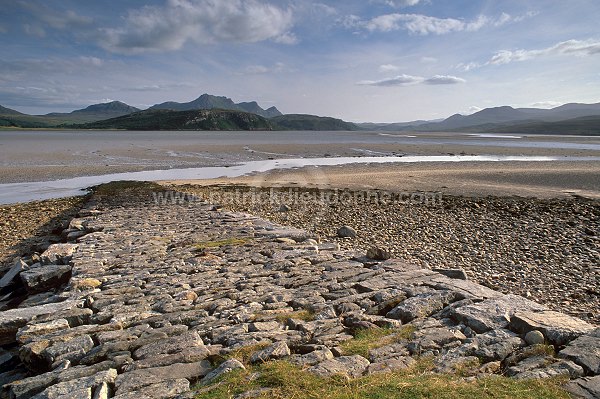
{"x": 360, "y": 60}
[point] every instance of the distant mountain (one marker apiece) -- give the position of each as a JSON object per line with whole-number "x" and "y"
{"x": 207, "y": 101}
{"x": 95, "y": 112}
{"x": 586, "y": 125}
{"x": 310, "y": 122}
{"x": 159, "y": 119}
{"x": 8, "y": 111}
{"x": 509, "y": 115}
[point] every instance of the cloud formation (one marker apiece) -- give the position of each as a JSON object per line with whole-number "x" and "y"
{"x": 408, "y": 80}
{"x": 419, "y": 24}
{"x": 262, "y": 69}
{"x": 570, "y": 47}
{"x": 154, "y": 28}
{"x": 398, "y": 3}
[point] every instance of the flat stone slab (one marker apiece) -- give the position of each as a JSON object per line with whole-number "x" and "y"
{"x": 493, "y": 313}
{"x": 137, "y": 379}
{"x": 586, "y": 387}
{"x": 585, "y": 351}
{"x": 44, "y": 278}
{"x": 558, "y": 328}
{"x": 58, "y": 253}
{"x": 352, "y": 366}
{"x": 12, "y": 320}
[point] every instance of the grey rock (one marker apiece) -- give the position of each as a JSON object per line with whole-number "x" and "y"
{"x": 43, "y": 278}
{"x": 585, "y": 351}
{"x": 497, "y": 345}
{"x": 493, "y": 313}
{"x": 58, "y": 254}
{"x": 558, "y": 328}
{"x": 30, "y": 332}
{"x": 276, "y": 351}
{"x": 351, "y": 366}
{"x": 346, "y": 232}
{"x": 586, "y": 387}
{"x": 378, "y": 253}
{"x": 137, "y": 379}
{"x": 12, "y": 320}
{"x": 78, "y": 388}
{"x": 452, "y": 273}
{"x": 73, "y": 349}
{"x": 421, "y": 305}
{"x": 164, "y": 389}
{"x": 10, "y": 276}
{"x": 534, "y": 337}
{"x": 171, "y": 345}
{"x": 224, "y": 368}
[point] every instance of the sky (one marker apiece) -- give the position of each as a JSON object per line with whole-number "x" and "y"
{"x": 359, "y": 60}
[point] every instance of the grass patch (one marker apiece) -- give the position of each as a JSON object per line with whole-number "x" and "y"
{"x": 118, "y": 187}
{"x": 303, "y": 314}
{"x": 243, "y": 353}
{"x": 366, "y": 339}
{"x": 283, "y": 380}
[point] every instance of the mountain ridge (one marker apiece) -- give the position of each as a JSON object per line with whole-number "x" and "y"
{"x": 208, "y": 101}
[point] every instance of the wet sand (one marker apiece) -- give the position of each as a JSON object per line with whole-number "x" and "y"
{"x": 476, "y": 179}
{"x": 39, "y": 156}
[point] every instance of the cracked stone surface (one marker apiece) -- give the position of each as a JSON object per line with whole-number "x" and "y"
{"x": 156, "y": 291}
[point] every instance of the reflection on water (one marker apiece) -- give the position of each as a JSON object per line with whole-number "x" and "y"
{"x": 24, "y": 192}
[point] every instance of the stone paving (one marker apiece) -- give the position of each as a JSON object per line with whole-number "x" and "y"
{"x": 150, "y": 295}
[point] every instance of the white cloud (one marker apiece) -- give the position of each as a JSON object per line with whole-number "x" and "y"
{"x": 423, "y": 24}
{"x": 407, "y": 80}
{"x": 261, "y": 69}
{"x": 443, "y": 80}
{"x": 569, "y": 47}
{"x": 398, "y": 3}
{"x": 201, "y": 21}
{"x": 388, "y": 68}
{"x": 34, "y": 30}
{"x": 65, "y": 20}
{"x": 468, "y": 66}
{"x": 54, "y": 18}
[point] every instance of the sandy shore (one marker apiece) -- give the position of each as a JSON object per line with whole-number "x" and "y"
{"x": 526, "y": 179}
{"x": 59, "y": 155}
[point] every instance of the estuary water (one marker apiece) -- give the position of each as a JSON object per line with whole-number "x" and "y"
{"x": 204, "y": 155}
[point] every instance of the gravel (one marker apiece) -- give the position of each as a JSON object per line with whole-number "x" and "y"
{"x": 547, "y": 250}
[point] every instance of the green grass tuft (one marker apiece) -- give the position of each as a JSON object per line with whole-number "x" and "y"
{"x": 282, "y": 380}
{"x": 367, "y": 339}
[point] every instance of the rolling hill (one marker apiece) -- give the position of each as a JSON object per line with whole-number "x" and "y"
{"x": 158, "y": 119}
{"x": 310, "y": 122}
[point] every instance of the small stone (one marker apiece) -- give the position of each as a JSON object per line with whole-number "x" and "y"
{"x": 276, "y": 351}
{"x": 225, "y": 367}
{"x": 377, "y": 253}
{"x": 284, "y": 208}
{"x": 346, "y": 232}
{"x": 188, "y": 295}
{"x": 534, "y": 337}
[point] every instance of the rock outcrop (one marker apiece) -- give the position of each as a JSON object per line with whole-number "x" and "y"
{"x": 156, "y": 292}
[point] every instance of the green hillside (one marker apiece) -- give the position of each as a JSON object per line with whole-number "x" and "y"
{"x": 182, "y": 120}
{"x": 310, "y": 122}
